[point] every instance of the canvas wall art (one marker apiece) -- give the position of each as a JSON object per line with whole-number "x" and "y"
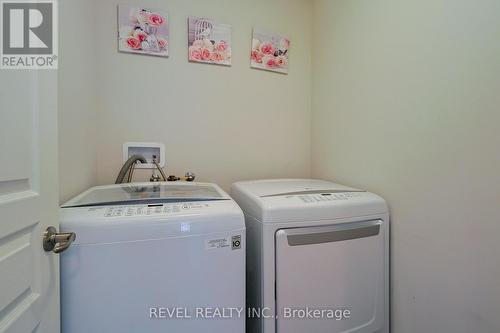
{"x": 209, "y": 41}
{"x": 143, "y": 31}
{"x": 270, "y": 52}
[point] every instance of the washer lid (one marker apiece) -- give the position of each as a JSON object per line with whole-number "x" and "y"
{"x": 134, "y": 193}
{"x": 296, "y": 200}
{"x": 148, "y": 211}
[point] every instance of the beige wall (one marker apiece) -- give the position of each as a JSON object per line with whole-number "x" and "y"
{"x": 406, "y": 103}
{"x": 223, "y": 123}
{"x": 76, "y": 98}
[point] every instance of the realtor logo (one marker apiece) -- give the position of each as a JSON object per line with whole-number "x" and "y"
{"x": 29, "y": 34}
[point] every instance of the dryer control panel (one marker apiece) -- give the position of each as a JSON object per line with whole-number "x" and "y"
{"x": 322, "y": 197}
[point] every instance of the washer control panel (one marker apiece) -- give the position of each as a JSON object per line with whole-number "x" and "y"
{"x": 149, "y": 210}
{"x": 322, "y": 197}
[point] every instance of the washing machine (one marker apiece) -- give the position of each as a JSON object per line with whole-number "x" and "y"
{"x": 317, "y": 257}
{"x": 153, "y": 257}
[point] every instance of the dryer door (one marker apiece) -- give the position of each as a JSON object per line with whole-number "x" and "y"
{"x": 323, "y": 271}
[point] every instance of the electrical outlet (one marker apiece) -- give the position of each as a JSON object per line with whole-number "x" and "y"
{"x": 147, "y": 150}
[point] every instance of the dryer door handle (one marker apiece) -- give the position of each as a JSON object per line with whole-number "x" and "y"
{"x": 334, "y": 233}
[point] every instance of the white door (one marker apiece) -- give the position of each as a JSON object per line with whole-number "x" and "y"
{"x": 29, "y": 276}
{"x": 337, "y": 271}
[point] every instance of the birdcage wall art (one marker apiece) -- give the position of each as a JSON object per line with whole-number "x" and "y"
{"x": 203, "y": 29}
{"x": 209, "y": 41}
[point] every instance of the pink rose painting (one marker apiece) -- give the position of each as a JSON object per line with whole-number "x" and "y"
{"x": 270, "y": 52}
{"x": 209, "y": 41}
{"x": 142, "y": 31}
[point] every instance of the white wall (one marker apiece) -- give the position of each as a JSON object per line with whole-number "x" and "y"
{"x": 223, "y": 123}
{"x": 77, "y": 97}
{"x": 406, "y": 104}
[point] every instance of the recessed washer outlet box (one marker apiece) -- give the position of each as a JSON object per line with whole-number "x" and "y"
{"x": 146, "y": 149}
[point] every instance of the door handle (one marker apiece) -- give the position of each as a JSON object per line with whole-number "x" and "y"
{"x": 57, "y": 242}
{"x": 335, "y": 233}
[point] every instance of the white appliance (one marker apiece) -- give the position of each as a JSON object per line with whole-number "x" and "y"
{"x": 317, "y": 257}
{"x": 153, "y": 257}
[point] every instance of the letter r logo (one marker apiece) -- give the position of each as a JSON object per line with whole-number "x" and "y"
{"x": 27, "y": 27}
